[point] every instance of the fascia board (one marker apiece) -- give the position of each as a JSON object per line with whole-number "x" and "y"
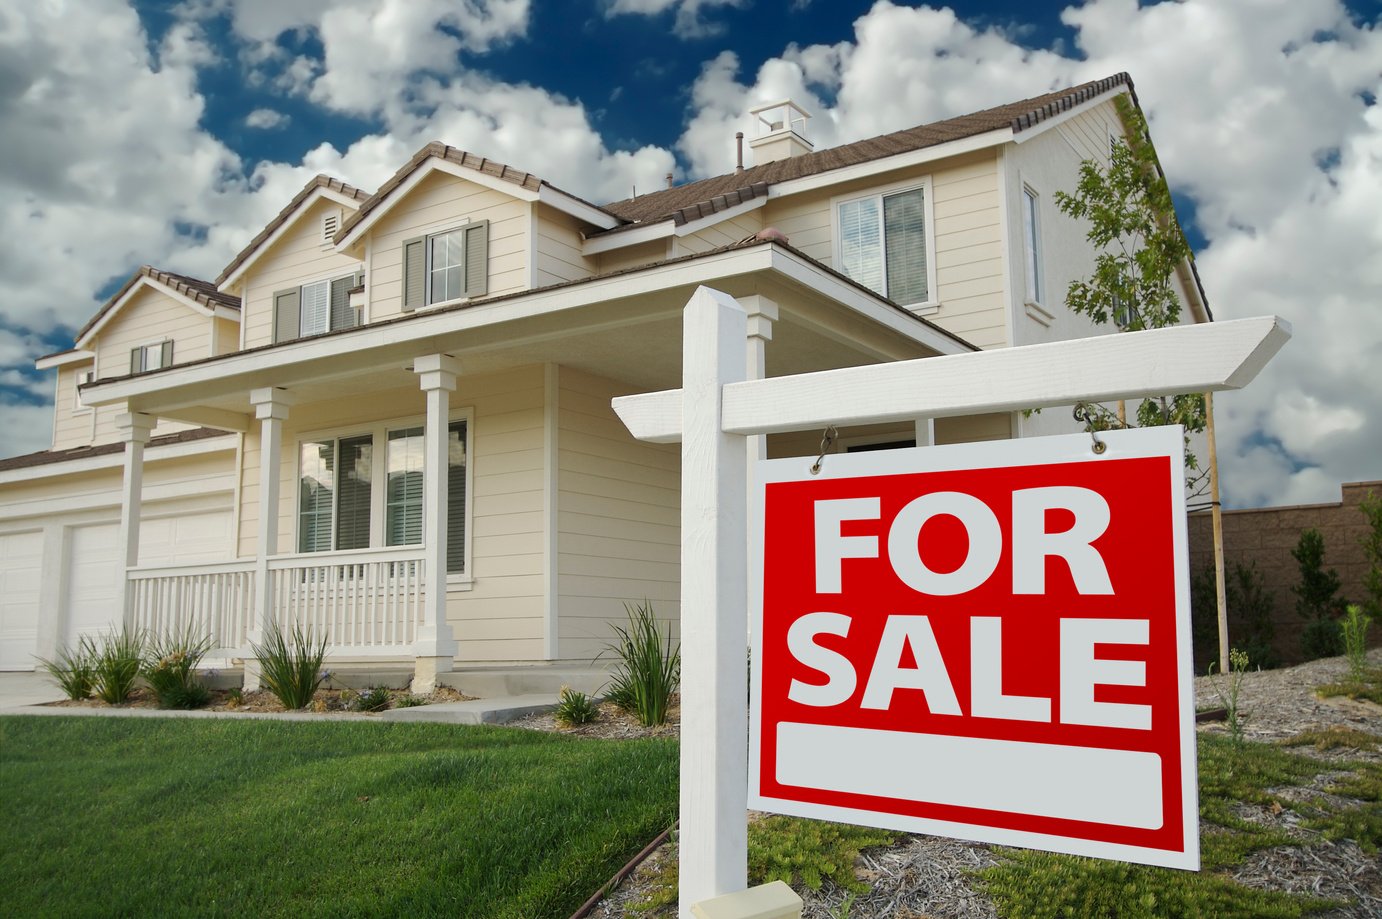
{"x": 108, "y": 460}
{"x": 62, "y": 360}
{"x": 890, "y": 163}
{"x": 1054, "y": 121}
{"x": 624, "y": 238}
{"x": 225, "y": 312}
{"x": 118, "y": 305}
{"x": 317, "y": 194}
{"x": 709, "y": 220}
{"x": 568, "y": 204}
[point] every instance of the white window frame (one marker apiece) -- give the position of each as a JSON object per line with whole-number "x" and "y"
{"x": 932, "y": 303}
{"x": 78, "y": 407}
{"x": 1033, "y": 265}
{"x": 428, "y": 233}
{"x": 379, "y": 435}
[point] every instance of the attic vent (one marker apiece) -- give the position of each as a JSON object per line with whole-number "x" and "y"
{"x": 331, "y": 222}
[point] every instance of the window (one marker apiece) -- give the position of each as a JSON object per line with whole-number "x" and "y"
{"x": 1031, "y": 243}
{"x": 450, "y": 265}
{"x": 883, "y": 245}
{"x": 337, "y": 489}
{"x": 83, "y": 377}
{"x": 322, "y": 306}
{"x": 151, "y": 356}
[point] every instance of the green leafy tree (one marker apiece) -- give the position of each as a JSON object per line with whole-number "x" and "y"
{"x": 1132, "y": 223}
{"x": 1371, "y": 541}
{"x": 1317, "y": 598}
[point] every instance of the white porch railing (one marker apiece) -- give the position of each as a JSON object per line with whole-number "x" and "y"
{"x": 364, "y": 601}
{"x": 216, "y": 601}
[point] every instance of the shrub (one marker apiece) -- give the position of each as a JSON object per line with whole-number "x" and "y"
{"x": 291, "y": 667}
{"x": 1316, "y": 598}
{"x": 1371, "y": 540}
{"x": 646, "y": 676}
{"x": 117, "y": 665}
{"x": 374, "y": 699}
{"x": 575, "y": 707}
{"x": 1250, "y": 609}
{"x": 74, "y": 669}
{"x": 170, "y": 670}
{"x": 1355, "y": 632}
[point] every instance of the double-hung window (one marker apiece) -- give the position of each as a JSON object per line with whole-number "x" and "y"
{"x": 341, "y": 490}
{"x": 882, "y": 244}
{"x": 154, "y": 356}
{"x": 446, "y": 266}
{"x": 322, "y": 306}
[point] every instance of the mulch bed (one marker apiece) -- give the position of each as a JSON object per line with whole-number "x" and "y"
{"x": 325, "y": 702}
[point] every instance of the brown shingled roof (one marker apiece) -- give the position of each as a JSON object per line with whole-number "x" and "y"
{"x": 47, "y": 457}
{"x": 320, "y": 181}
{"x": 453, "y": 155}
{"x": 194, "y": 289}
{"x": 698, "y": 197}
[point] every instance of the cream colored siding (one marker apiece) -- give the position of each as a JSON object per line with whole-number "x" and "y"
{"x": 969, "y": 252}
{"x": 443, "y": 202}
{"x": 227, "y": 336}
{"x": 559, "y": 255}
{"x": 723, "y": 233}
{"x": 618, "y": 521}
{"x": 71, "y": 428}
{"x": 973, "y": 428}
{"x": 151, "y": 316}
{"x": 805, "y": 219}
{"x": 298, "y": 257}
{"x": 633, "y": 256}
{"x": 502, "y": 616}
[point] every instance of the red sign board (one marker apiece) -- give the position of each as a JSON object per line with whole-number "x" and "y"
{"x": 985, "y": 641}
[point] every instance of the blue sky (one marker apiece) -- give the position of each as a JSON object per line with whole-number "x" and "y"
{"x": 169, "y": 133}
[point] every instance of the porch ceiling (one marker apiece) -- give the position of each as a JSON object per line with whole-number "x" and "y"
{"x": 631, "y": 334}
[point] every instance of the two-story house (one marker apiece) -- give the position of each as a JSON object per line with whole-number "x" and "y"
{"x": 389, "y": 418}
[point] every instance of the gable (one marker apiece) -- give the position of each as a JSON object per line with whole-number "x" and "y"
{"x": 147, "y": 317}
{"x": 345, "y": 198}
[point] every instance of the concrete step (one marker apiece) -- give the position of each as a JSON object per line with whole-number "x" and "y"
{"x": 492, "y": 682}
{"x": 497, "y": 710}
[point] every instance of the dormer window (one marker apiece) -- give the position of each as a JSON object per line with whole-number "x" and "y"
{"x": 446, "y": 266}
{"x": 321, "y": 306}
{"x": 153, "y": 356}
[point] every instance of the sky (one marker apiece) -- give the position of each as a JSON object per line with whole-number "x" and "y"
{"x": 167, "y": 133}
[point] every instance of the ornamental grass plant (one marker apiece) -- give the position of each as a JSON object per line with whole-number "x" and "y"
{"x": 291, "y": 665}
{"x": 74, "y": 669}
{"x": 117, "y": 664}
{"x": 649, "y": 667}
{"x": 170, "y": 669}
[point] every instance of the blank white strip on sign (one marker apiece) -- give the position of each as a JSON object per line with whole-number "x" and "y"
{"x": 1112, "y": 787}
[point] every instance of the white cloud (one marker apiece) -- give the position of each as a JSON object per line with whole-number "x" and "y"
{"x": 689, "y": 22}
{"x": 28, "y": 428}
{"x": 266, "y": 119}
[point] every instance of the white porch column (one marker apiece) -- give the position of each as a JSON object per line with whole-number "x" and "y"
{"x": 134, "y": 430}
{"x": 271, "y": 408}
{"x": 762, "y": 314}
{"x": 926, "y": 432}
{"x": 434, "y": 647}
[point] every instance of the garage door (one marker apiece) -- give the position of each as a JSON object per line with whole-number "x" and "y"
{"x": 94, "y": 565}
{"x": 188, "y": 539}
{"x": 21, "y": 561}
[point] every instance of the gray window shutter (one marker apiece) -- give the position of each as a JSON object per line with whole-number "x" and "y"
{"x": 287, "y": 314}
{"x": 135, "y": 364}
{"x": 415, "y": 273}
{"x": 476, "y": 259}
{"x": 342, "y": 313}
{"x": 167, "y": 355}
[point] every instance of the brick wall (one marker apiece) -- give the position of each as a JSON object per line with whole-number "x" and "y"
{"x": 1267, "y": 535}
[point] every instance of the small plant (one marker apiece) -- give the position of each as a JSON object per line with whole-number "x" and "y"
{"x": 1316, "y": 598}
{"x": 409, "y": 701}
{"x": 291, "y": 666}
{"x": 808, "y": 852}
{"x": 646, "y": 675}
{"x": 1355, "y": 629}
{"x": 170, "y": 670}
{"x": 74, "y": 669}
{"x": 235, "y": 698}
{"x": 117, "y": 666}
{"x": 1238, "y": 661}
{"x": 575, "y": 707}
{"x": 374, "y": 699}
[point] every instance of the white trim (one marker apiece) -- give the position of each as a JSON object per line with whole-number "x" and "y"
{"x": 551, "y": 425}
{"x": 710, "y": 220}
{"x": 367, "y": 311}
{"x": 1033, "y": 267}
{"x": 932, "y": 302}
{"x": 890, "y": 163}
{"x": 108, "y": 461}
{"x": 244, "y": 300}
{"x": 577, "y": 208}
{"x": 318, "y": 193}
{"x": 1002, "y": 176}
{"x": 532, "y": 231}
{"x": 625, "y": 238}
{"x": 1054, "y": 121}
{"x": 76, "y": 356}
{"x": 78, "y": 407}
{"x": 237, "y": 496}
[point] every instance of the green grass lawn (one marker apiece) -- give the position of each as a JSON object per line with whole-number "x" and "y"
{"x": 155, "y": 817}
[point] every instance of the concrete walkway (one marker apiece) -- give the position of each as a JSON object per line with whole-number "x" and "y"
{"x": 29, "y": 693}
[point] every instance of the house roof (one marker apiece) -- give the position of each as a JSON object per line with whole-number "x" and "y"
{"x": 438, "y": 150}
{"x": 317, "y": 182}
{"x": 707, "y": 196}
{"x": 194, "y": 289}
{"x": 46, "y": 457}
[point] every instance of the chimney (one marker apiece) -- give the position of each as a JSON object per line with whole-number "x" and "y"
{"x": 669, "y": 180}
{"x": 738, "y": 152}
{"x": 781, "y": 132}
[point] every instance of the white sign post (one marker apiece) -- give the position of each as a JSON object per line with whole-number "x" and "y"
{"x": 717, "y": 409}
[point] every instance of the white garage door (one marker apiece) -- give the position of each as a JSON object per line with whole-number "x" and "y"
{"x": 188, "y": 539}
{"x": 21, "y": 561}
{"x": 94, "y": 564}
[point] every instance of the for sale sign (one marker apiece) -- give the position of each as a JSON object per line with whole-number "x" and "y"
{"x": 985, "y": 641}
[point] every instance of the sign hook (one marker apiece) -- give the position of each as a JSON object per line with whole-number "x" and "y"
{"x": 827, "y": 441}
